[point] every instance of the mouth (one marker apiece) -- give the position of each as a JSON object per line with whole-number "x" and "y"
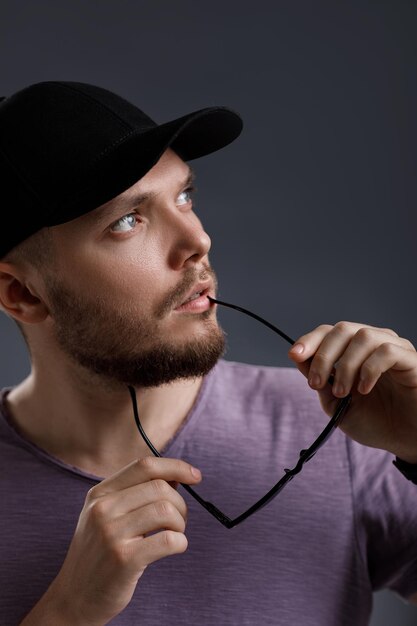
{"x": 197, "y": 301}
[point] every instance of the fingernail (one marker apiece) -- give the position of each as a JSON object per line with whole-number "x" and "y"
{"x": 314, "y": 380}
{"x": 338, "y": 389}
{"x": 195, "y": 472}
{"x": 297, "y": 348}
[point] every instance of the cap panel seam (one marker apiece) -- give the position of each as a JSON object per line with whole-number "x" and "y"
{"x": 86, "y": 188}
{"x": 97, "y": 102}
{"x": 132, "y": 129}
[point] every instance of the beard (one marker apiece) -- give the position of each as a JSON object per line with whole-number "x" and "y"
{"x": 112, "y": 341}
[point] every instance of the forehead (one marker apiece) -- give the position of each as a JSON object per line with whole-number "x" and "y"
{"x": 169, "y": 171}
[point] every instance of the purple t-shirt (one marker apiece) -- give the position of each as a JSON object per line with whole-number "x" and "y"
{"x": 344, "y": 527}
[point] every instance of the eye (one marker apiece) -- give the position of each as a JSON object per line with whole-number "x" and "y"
{"x": 124, "y": 224}
{"x": 186, "y": 196}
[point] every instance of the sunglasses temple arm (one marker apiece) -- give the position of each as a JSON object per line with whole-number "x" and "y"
{"x": 207, "y": 505}
{"x": 138, "y": 424}
{"x": 256, "y": 317}
{"x": 305, "y": 455}
{"x": 265, "y": 322}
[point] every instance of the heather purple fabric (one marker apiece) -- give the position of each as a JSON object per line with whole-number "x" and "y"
{"x": 345, "y": 527}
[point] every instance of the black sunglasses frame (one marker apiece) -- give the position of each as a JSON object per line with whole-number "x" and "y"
{"x": 304, "y": 456}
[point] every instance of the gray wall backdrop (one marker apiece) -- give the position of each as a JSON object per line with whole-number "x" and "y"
{"x": 312, "y": 211}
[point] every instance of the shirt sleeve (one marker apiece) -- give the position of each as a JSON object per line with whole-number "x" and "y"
{"x": 385, "y": 505}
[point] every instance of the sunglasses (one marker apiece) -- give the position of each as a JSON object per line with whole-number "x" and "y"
{"x": 304, "y": 455}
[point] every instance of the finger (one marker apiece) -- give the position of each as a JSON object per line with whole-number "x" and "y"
{"x": 306, "y": 345}
{"x": 119, "y": 503}
{"x": 157, "y": 546}
{"x": 326, "y": 345}
{"x": 158, "y": 515}
{"x": 359, "y": 348}
{"x": 146, "y": 469}
{"x": 300, "y": 351}
{"x": 328, "y": 352}
{"x": 388, "y": 356}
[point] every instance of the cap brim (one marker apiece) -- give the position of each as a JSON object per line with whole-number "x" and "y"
{"x": 192, "y": 136}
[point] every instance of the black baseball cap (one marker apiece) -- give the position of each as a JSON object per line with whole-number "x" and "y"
{"x": 66, "y": 148}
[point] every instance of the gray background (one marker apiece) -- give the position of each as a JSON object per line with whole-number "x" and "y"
{"x": 312, "y": 210}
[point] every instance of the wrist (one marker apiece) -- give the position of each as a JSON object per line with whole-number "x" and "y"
{"x": 55, "y": 610}
{"x": 45, "y": 613}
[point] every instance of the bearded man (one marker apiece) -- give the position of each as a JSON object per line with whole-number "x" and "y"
{"x": 105, "y": 269}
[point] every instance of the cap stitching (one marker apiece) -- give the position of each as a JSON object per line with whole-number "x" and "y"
{"x": 86, "y": 188}
{"x": 132, "y": 129}
{"x": 115, "y": 143}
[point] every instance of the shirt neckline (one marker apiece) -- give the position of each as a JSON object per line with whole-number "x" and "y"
{"x": 14, "y": 432}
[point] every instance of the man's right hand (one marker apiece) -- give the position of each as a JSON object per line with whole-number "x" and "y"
{"x": 111, "y": 547}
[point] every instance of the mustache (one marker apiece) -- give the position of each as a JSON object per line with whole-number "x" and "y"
{"x": 177, "y": 296}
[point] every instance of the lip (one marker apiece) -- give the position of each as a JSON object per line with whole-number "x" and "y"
{"x": 200, "y": 304}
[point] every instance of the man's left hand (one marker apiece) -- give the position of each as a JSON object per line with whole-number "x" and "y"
{"x": 379, "y": 369}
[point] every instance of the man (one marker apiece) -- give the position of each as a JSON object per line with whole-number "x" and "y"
{"x": 104, "y": 266}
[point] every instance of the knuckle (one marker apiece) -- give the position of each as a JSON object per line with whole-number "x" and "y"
{"x": 174, "y": 541}
{"x": 160, "y": 487}
{"x": 321, "y": 358}
{"x": 342, "y": 327}
{"x": 147, "y": 464}
{"x": 364, "y": 335}
{"x": 100, "y": 524}
{"x": 119, "y": 554}
{"x": 164, "y": 509}
{"x": 387, "y": 349}
{"x": 98, "y": 512}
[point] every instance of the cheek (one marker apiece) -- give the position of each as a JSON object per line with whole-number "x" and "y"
{"x": 133, "y": 269}
{"x": 119, "y": 270}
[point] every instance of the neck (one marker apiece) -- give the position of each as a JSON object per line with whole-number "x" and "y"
{"x": 92, "y": 426}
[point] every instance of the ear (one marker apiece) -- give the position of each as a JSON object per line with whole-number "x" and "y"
{"x": 18, "y": 298}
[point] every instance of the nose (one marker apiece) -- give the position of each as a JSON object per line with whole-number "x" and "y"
{"x": 190, "y": 243}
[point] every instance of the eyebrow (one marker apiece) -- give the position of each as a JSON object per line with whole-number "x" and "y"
{"x": 139, "y": 198}
{"x": 134, "y": 200}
